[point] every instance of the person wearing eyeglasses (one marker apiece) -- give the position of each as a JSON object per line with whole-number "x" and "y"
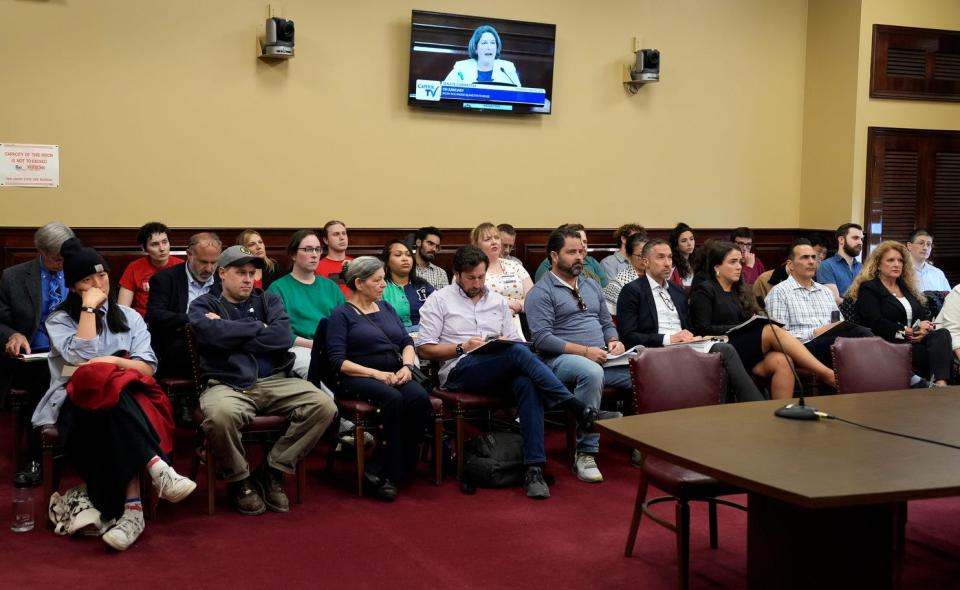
{"x": 652, "y": 311}
{"x": 930, "y": 278}
{"x": 29, "y": 292}
{"x": 572, "y": 330}
{"x": 742, "y": 237}
{"x": 307, "y": 297}
{"x": 632, "y": 272}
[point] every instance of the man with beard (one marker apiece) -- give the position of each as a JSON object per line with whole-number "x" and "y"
{"x": 838, "y": 271}
{"x": 573, "y": 332}
{"x": 426, "y": 245}
{"x": 172, "y": 290}
{"x": 457, "y": 320}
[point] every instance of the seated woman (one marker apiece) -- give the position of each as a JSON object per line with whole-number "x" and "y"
{"x": 250, "y": 238}
{"x": 724, "y": 300}
{"x": 372, "y": 353}
{"x": 505, "y": 277}
{"x": 110, "y": 434}
{"x": 888, "y": 302}
{"x": 635, "y": 268}
{"x": 682, "y": 244}
{"x": 307, "y": 297}
{"x": 405, "y": 291}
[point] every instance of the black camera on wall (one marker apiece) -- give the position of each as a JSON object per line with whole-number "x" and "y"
{"x": 647, "y": 67}
{"x": 278, "y": 41}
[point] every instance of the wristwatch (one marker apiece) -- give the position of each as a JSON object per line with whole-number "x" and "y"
{"x": 460, "y": 350}
{"x": 89, "y": 309}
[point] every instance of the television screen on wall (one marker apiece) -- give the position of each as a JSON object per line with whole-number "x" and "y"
{"x": 478, "y": 64}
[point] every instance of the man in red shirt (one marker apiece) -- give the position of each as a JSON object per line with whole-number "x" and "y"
{"x": 334, "y": 237}
{"x": 135, "y": 282}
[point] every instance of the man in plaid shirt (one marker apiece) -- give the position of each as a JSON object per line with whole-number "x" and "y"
{"x": 806, "y": 308}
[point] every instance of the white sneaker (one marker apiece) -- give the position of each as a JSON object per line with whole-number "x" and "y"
{"x": 172, "y": 486}
{"x": 586, "y": 468}
{"x": 126, "y": 531}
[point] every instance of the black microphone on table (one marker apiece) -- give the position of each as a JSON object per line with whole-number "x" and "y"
{"x": 502, "y": 69}
{"x": 799, "y": 410}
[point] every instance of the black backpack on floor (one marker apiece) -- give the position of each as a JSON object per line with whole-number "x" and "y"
{"x": 494, "y": 460}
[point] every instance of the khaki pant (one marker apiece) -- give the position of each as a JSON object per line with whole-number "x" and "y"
{"x": 227, "y": 410}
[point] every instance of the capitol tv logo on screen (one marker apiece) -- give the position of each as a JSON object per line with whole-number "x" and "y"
{"x": 428, "y": 90}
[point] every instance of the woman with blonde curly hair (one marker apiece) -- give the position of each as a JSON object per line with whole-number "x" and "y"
{"x": 888, "y": 301}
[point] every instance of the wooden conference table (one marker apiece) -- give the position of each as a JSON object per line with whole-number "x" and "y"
{"x": 827, "y": 500}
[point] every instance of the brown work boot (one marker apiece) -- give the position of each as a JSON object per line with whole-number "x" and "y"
{"x": 269, "y": 482}
{"x": 245, "y": 498}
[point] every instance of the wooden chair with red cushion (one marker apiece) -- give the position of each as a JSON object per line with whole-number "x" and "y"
{"x": 700, "y": 383}
{"x": 871, "y": 364}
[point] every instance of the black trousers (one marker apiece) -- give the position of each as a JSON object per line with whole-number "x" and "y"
{"x": 403, "y": 414}
{"x": 934, "y": 355}
{"x": 108, "y": 448}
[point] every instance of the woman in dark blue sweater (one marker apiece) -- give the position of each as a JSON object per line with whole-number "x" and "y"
{"x": 372, "y": 353}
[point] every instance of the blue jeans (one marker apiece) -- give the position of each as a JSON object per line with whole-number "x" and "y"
{"x": 534, "y": 386}
{"x": 587, "y": 379}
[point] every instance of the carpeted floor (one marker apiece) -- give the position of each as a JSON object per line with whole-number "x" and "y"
{"x": 430, "y": 537}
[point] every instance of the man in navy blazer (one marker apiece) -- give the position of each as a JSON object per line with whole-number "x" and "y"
{"x": 653, "y": 311}
{"x": 172, "y": 290}
{"x": 29, "y": 291}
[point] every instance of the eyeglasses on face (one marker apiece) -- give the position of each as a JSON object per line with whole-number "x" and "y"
{"x": 311, "y": 250}
{"x": 744, "y": 245}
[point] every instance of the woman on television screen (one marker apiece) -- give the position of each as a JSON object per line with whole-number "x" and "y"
{"x": 484, "y": 64}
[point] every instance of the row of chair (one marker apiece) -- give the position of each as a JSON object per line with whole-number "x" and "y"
{"x": 861, "y": 365}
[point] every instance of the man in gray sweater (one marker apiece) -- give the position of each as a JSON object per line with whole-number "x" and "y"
{"x": 572, "y": 330}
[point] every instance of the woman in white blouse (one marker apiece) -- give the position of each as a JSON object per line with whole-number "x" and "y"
{"x": 504, "y": 276}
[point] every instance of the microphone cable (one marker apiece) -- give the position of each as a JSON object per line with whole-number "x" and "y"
{"x": 890, "y": 432}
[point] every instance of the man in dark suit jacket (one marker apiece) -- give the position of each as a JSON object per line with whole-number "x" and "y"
{"x": 653, "y": 311}
{"x": 171, "y": 292}
{"x": 28, "y": 292}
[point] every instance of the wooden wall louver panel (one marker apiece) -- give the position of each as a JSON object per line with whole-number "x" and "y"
{"x": 898, "y": 194}
{"x": 913, "y": 181}
{"x": 914, "y": 63}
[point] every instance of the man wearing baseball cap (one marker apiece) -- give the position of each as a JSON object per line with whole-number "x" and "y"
{"x": 244, "y": 336}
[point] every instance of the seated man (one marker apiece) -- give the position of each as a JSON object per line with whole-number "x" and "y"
{"x": 460, "y": 318}
{"x": 805, "y": 307}
{"x": 135, "y": 282}
{"x": 244, "y": 336}
{"x": 508, "y": 241}
{"x": 571, "y": 328}
{"x": 29, "y": 291}
{"x": 172, "y": 290}
{"x": 335, "y": 239}
{"x": 591, "y": 266}
{"x": 920, "y": 246}
{"x": 619, "y": 261}
{"x": 837, "y": 272}
{"x": 426, "y": 246}
{"x": 652, "y": 311}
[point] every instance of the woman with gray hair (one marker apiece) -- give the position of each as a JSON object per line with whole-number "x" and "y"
{"x": 372, "y": 355}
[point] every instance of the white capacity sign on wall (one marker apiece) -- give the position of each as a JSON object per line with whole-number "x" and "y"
{"x": 23, "y": 164}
